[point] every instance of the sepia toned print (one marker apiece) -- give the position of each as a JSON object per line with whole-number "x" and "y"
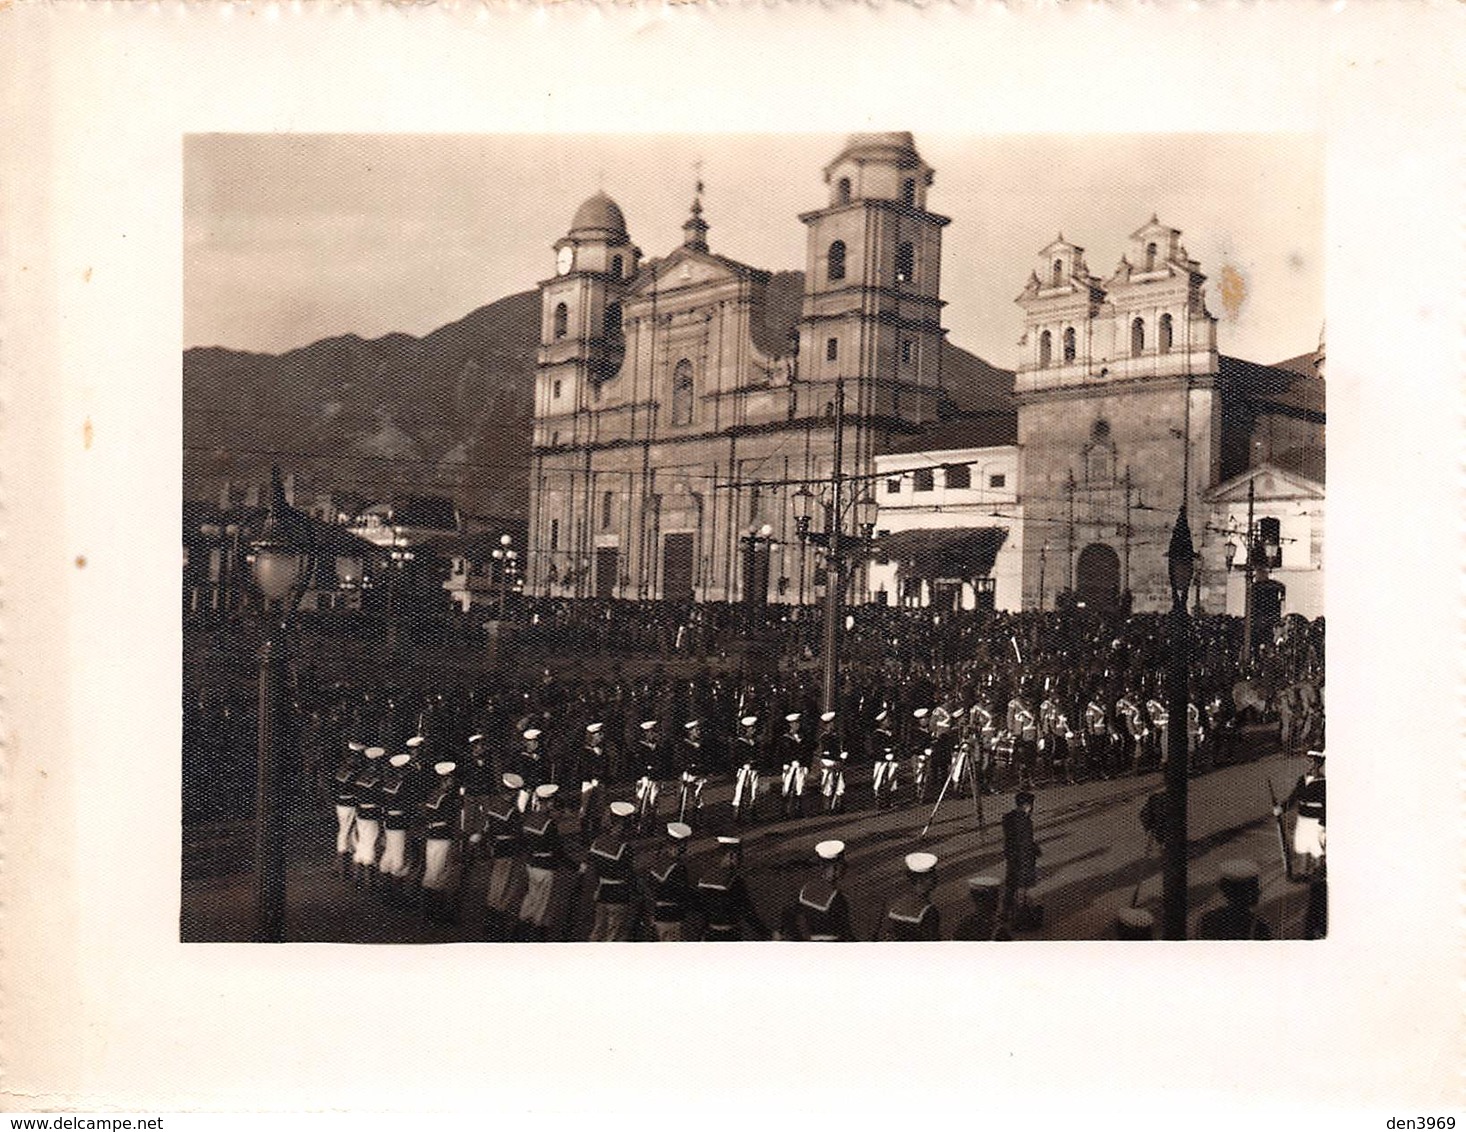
{"x": 652, "y": 594}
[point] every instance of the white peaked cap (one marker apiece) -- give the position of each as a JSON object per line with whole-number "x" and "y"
{"x": 415, "y": 741}
{"x": 375, "y": 752}
{"x": 920, "y": 713}
{"x": 400, "y": 760}
{"x": 355, "y": 746}
{"x": 748, "y": 720}
{"x": 826, "y": 716}
{"x": 920, "y": 863}
{"x": 513, "y": 781}
{"x": 594, "y": 728}
{"x": 647, "y": 724}
{"x": 691, "y": 723}
{"x": 830, "y": 850}
{"x": 792, "y": 717}
{"x": 547, "y": 790}
{"x": 532, "y": 733}
{"x": 679, "y": 830}
{"x": 622, "y": 809}
{"x": 476, "y": 738}
{"x": 445, "y": 767}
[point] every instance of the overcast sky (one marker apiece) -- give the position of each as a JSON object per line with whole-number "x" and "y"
{"x": 292, "y": 238}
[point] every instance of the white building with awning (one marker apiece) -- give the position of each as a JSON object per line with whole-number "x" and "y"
{"x": 949, "y": 529}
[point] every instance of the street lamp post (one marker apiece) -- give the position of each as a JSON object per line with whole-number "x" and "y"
{"x": 279, "y": 564}
{"x": 1180, "y": 567}
{"x": 502, "y": 556}
{"x": 1256, "y": 561}
{"x": 1043, "y": 562}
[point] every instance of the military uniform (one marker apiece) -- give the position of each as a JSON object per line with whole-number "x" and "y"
{"x": 610, "y": 861}
{"x": 594, "y": 767}
{"x": 651, "y": 759}
{"x": 832, "y": 760}
{"x": 1023, "y": 726}
{"x": 912, "y": 916}
{"x": 343, "y": 786}
{"x": 529, "y": 765}
{"x": 479, "y": 786}
{"x": 506, "y": 866}
{"x": 398, "y": 807}
{"x": 441, "y": 812}
{"x": 1308, "y": 795}
{"x": 691, "y": 759}
{"x": 723, "y": 898}
{"x": 669, "y": 885}
{"x": 793, "y": 759}
{"x": 1160, "y": 726}
{"x": 885, "y": 761}
{"x": 822, "y": 912}
{"x": 367, "y": 787}
{"x": 1098, "y": 738}
{"x": 746, "y": 759}
{"x": 1133, "y": 731}
{"x": 547, "y": 899}
{"x": 921, "y": 754}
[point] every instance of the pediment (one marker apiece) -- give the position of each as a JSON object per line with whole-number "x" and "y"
{"x": 1271, "y": 483}
{"x": 687, "y": 268}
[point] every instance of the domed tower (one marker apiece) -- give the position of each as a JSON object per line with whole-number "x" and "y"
{"x": 872, "y": 305}
{"x": 580, "y": 311}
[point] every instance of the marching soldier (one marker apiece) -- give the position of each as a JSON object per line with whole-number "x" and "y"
{"x": 670, "y": 888}
{"x": 723, "y": 897}
{"x": 344, "y": 790}
{"x": 1023, "y": 725}
{"x": 792, "y": 761}
{"x": 1160, "y": 729}
{"x": 529, "y": 765}
{"x": 1133, "y": 731}
{"x": 651, "y": 760}
{"x": 610, "y": 859}
{"x": 1308, "y": 795}
{"x": 822, "y": 912}
{"x": 368, "y": 814}
{"x": 984, "y": 923}
{"x": 832, "y": 765}
{"x": 546, "y": 901}
{"x": 441, "y": 824}
{"x": 885, "y": 760}
{"x": 1098, "y": 738}
{"x": 1237, "y": 918}
{"x": 912, "y": 916}
{"x": 594, "y": 767}
{"x": 506, "y": 871}
{"x": 692, "y": 762}
{"x": 746, "y": 761}
{"x": 983, "y": 724}
{"x": 921, "y": 754}
{"x": 398, "y": 808}
{"x": 479, "y": 782}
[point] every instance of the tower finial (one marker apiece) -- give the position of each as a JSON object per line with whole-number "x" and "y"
{"x": 695, "y": 230}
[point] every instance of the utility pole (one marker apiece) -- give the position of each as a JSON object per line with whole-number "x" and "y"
{"x": 835, "y": 560}
{"x": 1247, "y": 569}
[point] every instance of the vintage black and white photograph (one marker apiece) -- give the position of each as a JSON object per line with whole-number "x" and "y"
{"x": 880, "y": 536}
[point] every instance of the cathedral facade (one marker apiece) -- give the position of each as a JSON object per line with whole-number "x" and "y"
{"x": 681, "y": 402}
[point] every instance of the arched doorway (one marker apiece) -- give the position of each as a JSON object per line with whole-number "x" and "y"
{"x": 1097, "y": 578}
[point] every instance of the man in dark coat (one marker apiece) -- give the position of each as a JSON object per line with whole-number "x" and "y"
{"x": 1020, "y": 851}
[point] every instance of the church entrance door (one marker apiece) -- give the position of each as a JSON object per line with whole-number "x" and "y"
{"x": 607, "y": 565}
{"x": 1097, "y": 578}
{"x": 677, "y": 567}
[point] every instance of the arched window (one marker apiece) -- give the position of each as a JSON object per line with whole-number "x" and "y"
{"x": 1137, "y": 338}
{"x": 1045, "y": 349}
{"x": 562, "y": 320}
{"x": 836, "y": 263}
{"x": 616, "y": 267}
{"x": 1150, "y": 253}
{"x": 905, "y": 262}
{"x": 608, "y": 507}
{"x": 1069, "y": 344}
{"x": 1165, "y": 334}
{"x": 1058, "y": 272}
{"x": 612, "y": 321}
{"x": 682, "y": 393}
{"x": 908, "y": 192}
{"x": 842, "y": 190}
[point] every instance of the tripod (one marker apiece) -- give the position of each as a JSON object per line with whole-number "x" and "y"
{"x": 966, "y": 769}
